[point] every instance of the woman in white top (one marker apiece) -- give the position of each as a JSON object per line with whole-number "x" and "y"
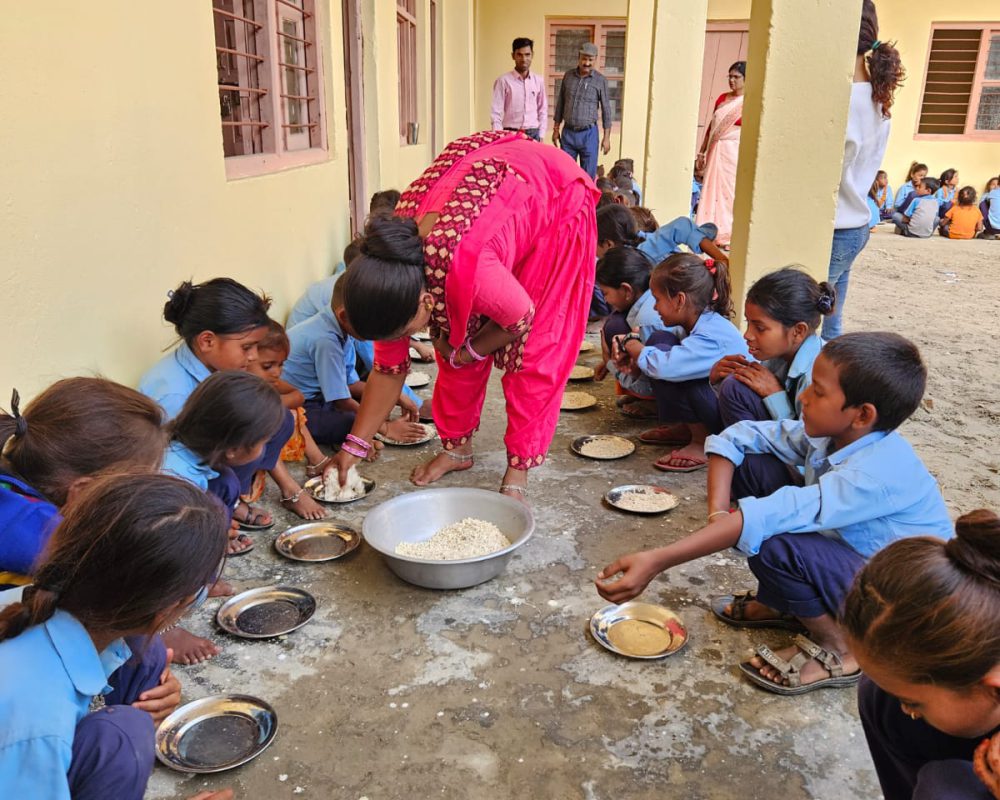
{"x": 877, "y": 73}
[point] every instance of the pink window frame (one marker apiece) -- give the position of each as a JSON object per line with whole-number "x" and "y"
{"x": 407, "y": 49}
{"x": 971, "y": 134}
{"x": 281, "y": 159}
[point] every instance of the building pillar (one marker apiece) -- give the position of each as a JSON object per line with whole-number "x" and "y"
{"x": 799, "y": 72}
{"x": 678, "y": 52}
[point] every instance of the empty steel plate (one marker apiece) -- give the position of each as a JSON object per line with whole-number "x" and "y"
{"x": 638, "y": 498}
{"x": 317, "y": 541}
{"x": 216, "y": 733}
{"x": 639, "y": 630}
{"x": 315, "y": 488}
{"x": 266, "y": 611}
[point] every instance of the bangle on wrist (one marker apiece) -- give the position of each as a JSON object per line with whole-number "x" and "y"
{"x": 472, "y": 353}
{"x": 717, "y": 513}
{"x": 453, "y": 358}
{"x": 359, "y": 442}
{"x": 347, "y": 447}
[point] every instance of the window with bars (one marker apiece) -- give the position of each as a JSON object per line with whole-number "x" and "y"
{"x": 406, "y": 44}
{"x": 270, "y": 91}
{"x": 564, "y": 37}
{"x": 962, "y": 86}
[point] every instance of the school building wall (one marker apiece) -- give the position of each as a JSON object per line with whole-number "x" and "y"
{"x": 908, "y": 23}
{"x": 114, "y": 183}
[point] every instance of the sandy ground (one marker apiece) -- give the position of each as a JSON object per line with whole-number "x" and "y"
{"x": 499, "y": 692}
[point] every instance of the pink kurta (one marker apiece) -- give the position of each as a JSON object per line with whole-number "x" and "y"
{"x": 517, "y": 219}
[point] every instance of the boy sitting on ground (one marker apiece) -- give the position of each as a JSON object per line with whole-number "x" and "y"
{"x": 920, "y": 219}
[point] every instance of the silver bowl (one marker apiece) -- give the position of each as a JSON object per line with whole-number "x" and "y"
{"x": 417, "y": 516}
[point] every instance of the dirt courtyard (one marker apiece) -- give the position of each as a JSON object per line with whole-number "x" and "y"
{"x": 498, "y": 691}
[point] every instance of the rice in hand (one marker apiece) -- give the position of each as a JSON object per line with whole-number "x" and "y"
{"x": 466, "y": 539}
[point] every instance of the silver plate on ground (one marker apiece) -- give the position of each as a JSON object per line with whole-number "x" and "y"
{"x": 317, "y": 541}
{"x": 266, "y": 611}
{"x": 577, "y": 401}
{"x": 619, "y": 498}
{"x": 586, "y": 347}
{"x": 581, "y": 373}
{"x": 616, "y": 446}
{"x": 639, "y": 630}
{"x": 315, "y": 488}
{"x": 415, "y": 380}
{"x": 430, "y": 432}
{"x": 216, "y": 733}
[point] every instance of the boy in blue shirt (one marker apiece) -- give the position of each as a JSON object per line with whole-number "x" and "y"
{"x": 864, "y": 488}
{"x": 322, "y": 365}
{"x": 922, "y": 216}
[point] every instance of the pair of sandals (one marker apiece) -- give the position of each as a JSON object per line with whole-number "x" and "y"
{"x": 673, "y": 436}
{"x": 790, "y": 670}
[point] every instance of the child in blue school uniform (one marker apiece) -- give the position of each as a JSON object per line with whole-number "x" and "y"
{"x": 322, "y": 365}
{"x": 921, "y": 217}
{"x": 623, "y": 277}
{"x": 220, "y": 323}
{"x": 883, "y": 195}
{"x": 783, "y": 311}
{"x": 864, "y": 488}
{"x": 694, "y": 295}
{"x": 990, "y": 206}
{"x": 914, "y": 176}
{"x": 73, "y": 430}
{"x": 921, "y": 620}
{"x": 947, "y": 193}
{"x": 132, "y": 554}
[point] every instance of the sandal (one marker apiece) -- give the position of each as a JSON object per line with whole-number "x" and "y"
{"x": 666, "y": 466}
{"x": 315, "y": 470}
{"x": 738, "y": 619}
{"x": 667, "y": 435}
{"x": 639, "y": 409}
{"x": 246, "y": 545}
{"x": 251, "y": 521}
{"x": 791, "y": 671}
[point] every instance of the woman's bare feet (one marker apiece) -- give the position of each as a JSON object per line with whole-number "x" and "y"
{"x": 188, "y": 648}
{"x": 304, "y": 506}
{"x": 444, "y": 462}
{"x": 515, "y": 484}
{"x": 221, "y": 588}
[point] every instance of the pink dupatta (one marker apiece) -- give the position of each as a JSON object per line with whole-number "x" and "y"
{"x": 724, "y": 120}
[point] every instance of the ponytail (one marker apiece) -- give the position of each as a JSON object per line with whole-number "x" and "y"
{"x": 885, "y": 68}
{"x": 37, "y": 606}
{"x": 706, "y": 283}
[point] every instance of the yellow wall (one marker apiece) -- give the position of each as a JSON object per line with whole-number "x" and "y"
{"x": 909, "y": 24}
{"x": 497, "y": 25}
{"x": 728, "y": 9}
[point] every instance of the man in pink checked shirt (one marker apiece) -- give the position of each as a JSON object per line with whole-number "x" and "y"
{"x": 519, "y": 101}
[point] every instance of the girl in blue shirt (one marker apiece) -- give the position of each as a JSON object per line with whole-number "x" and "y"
{"x": 71, "y": 431}
{"x": 948, "y": 190}
{"x": 623, "y": 278}
{"x": 914, "y": 177}
{"x": 133, "y": 552}
{"x": 221, "y": 323}
{"x": 694, "y": 295}
{"x": 783, "y": 312}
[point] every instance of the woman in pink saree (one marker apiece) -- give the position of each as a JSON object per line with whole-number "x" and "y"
{"x": 493, "y": 248}
{"x": 719, "y": 155}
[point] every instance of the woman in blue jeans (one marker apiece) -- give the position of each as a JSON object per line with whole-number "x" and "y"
{"x": 877, "y": 72}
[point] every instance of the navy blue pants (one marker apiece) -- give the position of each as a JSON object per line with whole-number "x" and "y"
{"x": 614, "y": 325}
{"x": 270, "y": 456}
{"x": 691, "y": 401}
{"x": 805, "y": 574}
{"x": 582, "y": 146}
{"x": 760, "y": 474}
{"x": 113, "y": 748}
{"x": 227, "y": 488}
{"x": 327, "y": 423}
{"x": 913, "y": 760}
{"x": 531, "y": 133}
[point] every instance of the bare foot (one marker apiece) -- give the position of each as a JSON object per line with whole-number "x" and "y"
{"x": 515, "y": 484}
{"x": 426, "y": 413}
{"x": 812, "y": 670}
{"x": 221, "y": 588}
{"x": 754, "y": 611}
{"x": 305, "y": 507}
{"x": 239, "y": 544}
{"x": 686, "y": 459}
{"x": 188, "y": 648}
{"x": 439, "y": 466}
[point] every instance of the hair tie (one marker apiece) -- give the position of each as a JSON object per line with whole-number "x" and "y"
{"x": 710, "y": 266}
{"x": 824, "y": 304}
{"x": 875, "y": 45}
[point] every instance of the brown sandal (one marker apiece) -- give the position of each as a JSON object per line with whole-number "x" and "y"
{"x": 791, "y": 670}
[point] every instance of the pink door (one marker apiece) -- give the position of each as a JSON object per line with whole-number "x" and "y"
{"x": 725, "y": 42}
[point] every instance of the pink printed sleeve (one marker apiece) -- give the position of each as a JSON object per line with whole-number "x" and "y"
{"x": 392, "y": 357}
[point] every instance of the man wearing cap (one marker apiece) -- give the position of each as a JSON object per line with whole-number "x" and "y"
{"x": 519, "y": 101}
{"x": 583, "y": 89}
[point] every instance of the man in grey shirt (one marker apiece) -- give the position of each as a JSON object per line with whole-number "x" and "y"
{"x": 583, "y": 89}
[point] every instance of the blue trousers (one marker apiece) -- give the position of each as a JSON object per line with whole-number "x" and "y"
{"x": 805, "y": 574}
{"x": 226, "y": 487}
{"x": 760, "y": 474}
{"x": 691, "y": 401}
{"x": 327, "y": 423}
{"x": 270, "y": 456}
{"x": 582, "y": 146}
{"x": 847, "y": 243}
{"x": 614, "y": 325}
{"x": 113, "y": 749}
{"x": 531, "y": 133}
{"x": 913, "y": 760}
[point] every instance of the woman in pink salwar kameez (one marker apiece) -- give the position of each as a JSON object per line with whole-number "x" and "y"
{"x": 493, "y": 247}
{"x": 719, "y": 156}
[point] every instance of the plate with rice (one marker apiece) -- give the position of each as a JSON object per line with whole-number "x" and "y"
{"x": 577, "y": 401}
{"x": 587, "y": 347}
{"x": 602, "y": 447}
{"x": 581, "y": 373}
{"x": 430, "y": 432}
{"x": 639, "y": 498}
{"x": 328, "y": 489}
{"x": 416, "y": 380}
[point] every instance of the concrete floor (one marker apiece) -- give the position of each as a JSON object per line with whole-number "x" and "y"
{"x": 498, "y": 691}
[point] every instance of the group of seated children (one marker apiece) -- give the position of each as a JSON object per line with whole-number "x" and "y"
{"x": 924, "y": 205}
